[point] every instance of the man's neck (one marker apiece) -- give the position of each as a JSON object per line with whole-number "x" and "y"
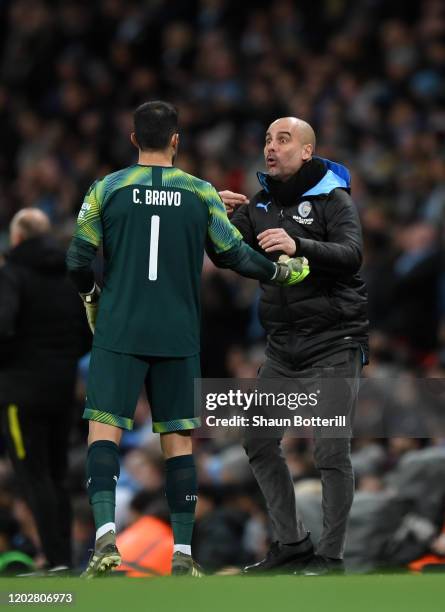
{"x": 154, "y": 158}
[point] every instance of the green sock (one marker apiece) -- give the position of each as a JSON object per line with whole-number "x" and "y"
{"x": 181, "y": 489}
{"x": 103, "y": 471}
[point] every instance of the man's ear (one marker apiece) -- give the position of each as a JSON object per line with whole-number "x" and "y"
{"x": 15, "y": 237}
{"x": 307, "y": 152}
{"x": 174, "y": 142}
{"x": 134, "y": 142}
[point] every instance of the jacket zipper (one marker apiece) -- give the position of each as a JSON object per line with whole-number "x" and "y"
{"x": 284, "y": 302}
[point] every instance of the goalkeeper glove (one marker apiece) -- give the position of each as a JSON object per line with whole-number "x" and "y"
{"x": 291, "y": 271}
{"x": 91, "y": 303}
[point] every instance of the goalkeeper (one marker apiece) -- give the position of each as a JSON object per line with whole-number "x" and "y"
{"x": 153, "y": 221}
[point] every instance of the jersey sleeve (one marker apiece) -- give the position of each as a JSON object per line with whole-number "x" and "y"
{"x": 89, "y": 220}
{"x": 222, "y": 235}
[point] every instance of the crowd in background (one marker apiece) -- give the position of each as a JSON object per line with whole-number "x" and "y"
{"x": 369, "y": 76}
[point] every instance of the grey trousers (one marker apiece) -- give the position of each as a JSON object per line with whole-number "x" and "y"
{"x": 331, "y": 455}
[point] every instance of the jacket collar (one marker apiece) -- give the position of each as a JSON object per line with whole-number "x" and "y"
{"x": 336, "y": 176}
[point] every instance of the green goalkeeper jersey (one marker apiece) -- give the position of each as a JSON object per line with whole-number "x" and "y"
{"x": 153, "y": 223}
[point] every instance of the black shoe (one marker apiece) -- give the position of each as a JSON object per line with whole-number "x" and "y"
{"x": 283, "y": 558}
{"x": 323, "y": 566}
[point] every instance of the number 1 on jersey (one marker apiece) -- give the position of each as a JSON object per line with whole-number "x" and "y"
{"x": 154, "y": 247}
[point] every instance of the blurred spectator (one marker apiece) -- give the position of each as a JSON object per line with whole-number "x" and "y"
{"x": 42, "y": 335}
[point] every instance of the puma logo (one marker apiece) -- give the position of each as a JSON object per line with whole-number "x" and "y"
{"x": 263, "y": 205}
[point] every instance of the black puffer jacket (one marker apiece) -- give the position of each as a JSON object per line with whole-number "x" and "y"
{"x": 42, "y": 326}
{"x": 328, "y": 310}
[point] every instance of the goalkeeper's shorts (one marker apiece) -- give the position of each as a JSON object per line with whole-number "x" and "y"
{"x": 115, "y": 382}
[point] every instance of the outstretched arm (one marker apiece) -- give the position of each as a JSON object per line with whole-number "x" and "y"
{"x": 237, "y": 206}
{"x": 227, "y": 250}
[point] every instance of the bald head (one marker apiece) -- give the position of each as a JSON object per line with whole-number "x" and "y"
{"x": 301, "y": 129}
{"x": 28, "y": 223}
{"x": 290, "y": 143}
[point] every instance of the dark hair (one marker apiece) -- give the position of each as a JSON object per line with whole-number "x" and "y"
{"x": 154, "y": 124}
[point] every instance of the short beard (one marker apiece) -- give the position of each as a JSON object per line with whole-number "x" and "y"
{"x": 277, "y": 175}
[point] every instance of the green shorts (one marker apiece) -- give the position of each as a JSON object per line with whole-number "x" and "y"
{"x": 115, "y": 381}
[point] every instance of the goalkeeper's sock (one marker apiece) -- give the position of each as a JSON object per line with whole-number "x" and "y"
{"x": 105, "y": 529}
{"x": 103, "y": 471}
{"x": 186, "y": 549}
{"x": 181, "y": 489}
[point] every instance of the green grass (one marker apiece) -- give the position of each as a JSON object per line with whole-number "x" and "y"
{"x": 376, "y": 593}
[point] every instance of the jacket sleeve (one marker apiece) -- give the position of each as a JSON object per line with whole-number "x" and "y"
{"x": 342, "y": 249}
{"x": 9, "y": 302}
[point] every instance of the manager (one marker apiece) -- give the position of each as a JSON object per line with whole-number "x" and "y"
{"x": 316, "y": 329}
